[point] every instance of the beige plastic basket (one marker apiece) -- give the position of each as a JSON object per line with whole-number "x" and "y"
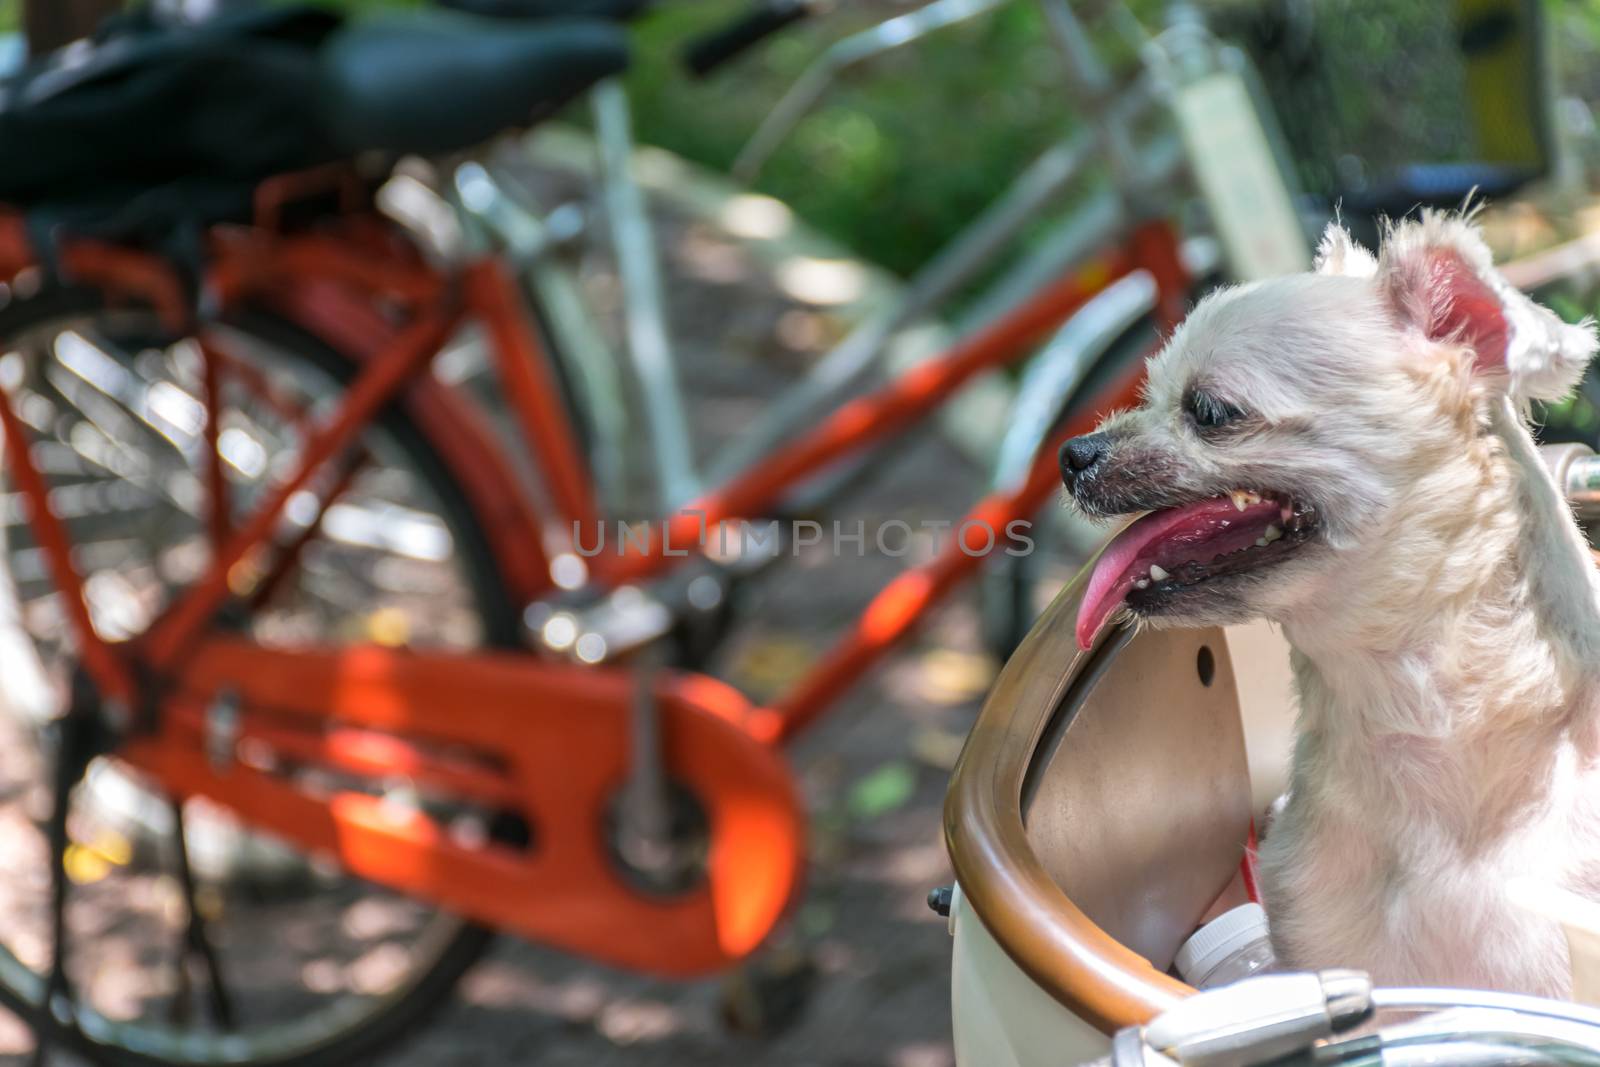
{"x": 1099, "y": 808}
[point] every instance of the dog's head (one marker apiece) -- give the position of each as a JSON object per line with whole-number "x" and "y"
{"x": 1294, "y": 427}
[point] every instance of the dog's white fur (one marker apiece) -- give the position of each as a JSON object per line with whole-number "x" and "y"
{"x": 1445, "y": 632}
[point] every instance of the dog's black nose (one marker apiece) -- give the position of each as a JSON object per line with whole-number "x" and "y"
{"x": 1080, "y": 454}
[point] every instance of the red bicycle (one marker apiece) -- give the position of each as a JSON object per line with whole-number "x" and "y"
{"x": 270, "y": 564}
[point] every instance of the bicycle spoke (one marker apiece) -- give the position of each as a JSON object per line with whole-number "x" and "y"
{"x": 74, "y": 749}
{"x": 196, "y": 942}
{"x": 289, "y": 555}
{"x": 110, "y": 424}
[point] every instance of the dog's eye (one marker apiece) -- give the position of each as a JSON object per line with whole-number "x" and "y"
{"x": 1210, "y": 413}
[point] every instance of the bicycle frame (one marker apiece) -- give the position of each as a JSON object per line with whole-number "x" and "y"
{"x": 492, "y": 730}
{"x": 494, "y": 206}
{"x": 368, "y": 711}
{"x": 306, "y": 276}
{"x": 494, "y": 215}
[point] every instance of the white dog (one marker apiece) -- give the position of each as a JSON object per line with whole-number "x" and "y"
{"x": 1345, "y": 453}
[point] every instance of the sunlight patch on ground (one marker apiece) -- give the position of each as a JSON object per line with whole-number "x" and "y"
{"x": 770, "y": 664}
{"x": 494, "y": 984}
{"x": 711, "y": 259}
{"x": 913, "y": 865}
{"x": 379, "y": 970}
{"x": 922, "y": 1054}
{"x": 657, "y": 168}
{"x": 120, "y": 988}
{"x": 802, "y": 331}
{"x": 822, "y": 281}
{"x": 938, "y": 748}
{"x": 15, "y": 1038}
{"x": 951, "y": 676}
{"x": 375, "y": 917}
{"x": 323, "y": 976}
{"x": 628, "y": 1022}
{"x": 757, "y": 217}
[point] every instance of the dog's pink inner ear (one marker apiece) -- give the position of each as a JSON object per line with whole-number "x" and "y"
{"x": 1465, "y": 308}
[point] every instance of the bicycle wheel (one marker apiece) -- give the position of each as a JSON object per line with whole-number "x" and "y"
{"x": 323, "y": 968}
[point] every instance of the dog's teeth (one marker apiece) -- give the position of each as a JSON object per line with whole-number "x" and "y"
{"x": 1241, "y": 499}
{"x": 1272, "y": 534}
{"x": 1262, "y": 542}
{"x": 1157, "y": 574}
{"x": 1142, "y": 583}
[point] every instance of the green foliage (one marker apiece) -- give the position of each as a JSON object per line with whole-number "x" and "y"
{"x": 900, "y": 153}
{"x": 883, "y": 790}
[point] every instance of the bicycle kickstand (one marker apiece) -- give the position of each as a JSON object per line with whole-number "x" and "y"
{"x": 195, "y": 942}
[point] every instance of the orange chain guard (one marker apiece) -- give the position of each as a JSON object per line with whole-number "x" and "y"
{"x": 549, "y": 741}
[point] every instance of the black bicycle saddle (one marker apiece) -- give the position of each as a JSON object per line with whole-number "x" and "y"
{"x": 216, "y": 107}
{"x": 432, "y": 81}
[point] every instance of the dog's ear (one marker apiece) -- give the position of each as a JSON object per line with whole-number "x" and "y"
{"x": 1338, "y": 253}
{"x": 1440, "y": 278}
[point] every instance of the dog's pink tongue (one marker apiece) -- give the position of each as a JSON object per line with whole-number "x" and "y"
{"x": 1198, "y": 531}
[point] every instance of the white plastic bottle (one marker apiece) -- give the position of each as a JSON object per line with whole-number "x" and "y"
{"x": 1230, "y": 947}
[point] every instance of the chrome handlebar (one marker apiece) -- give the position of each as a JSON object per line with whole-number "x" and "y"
{"x": 1576, "y": 470}
{"x": 1317, "y": 1018}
